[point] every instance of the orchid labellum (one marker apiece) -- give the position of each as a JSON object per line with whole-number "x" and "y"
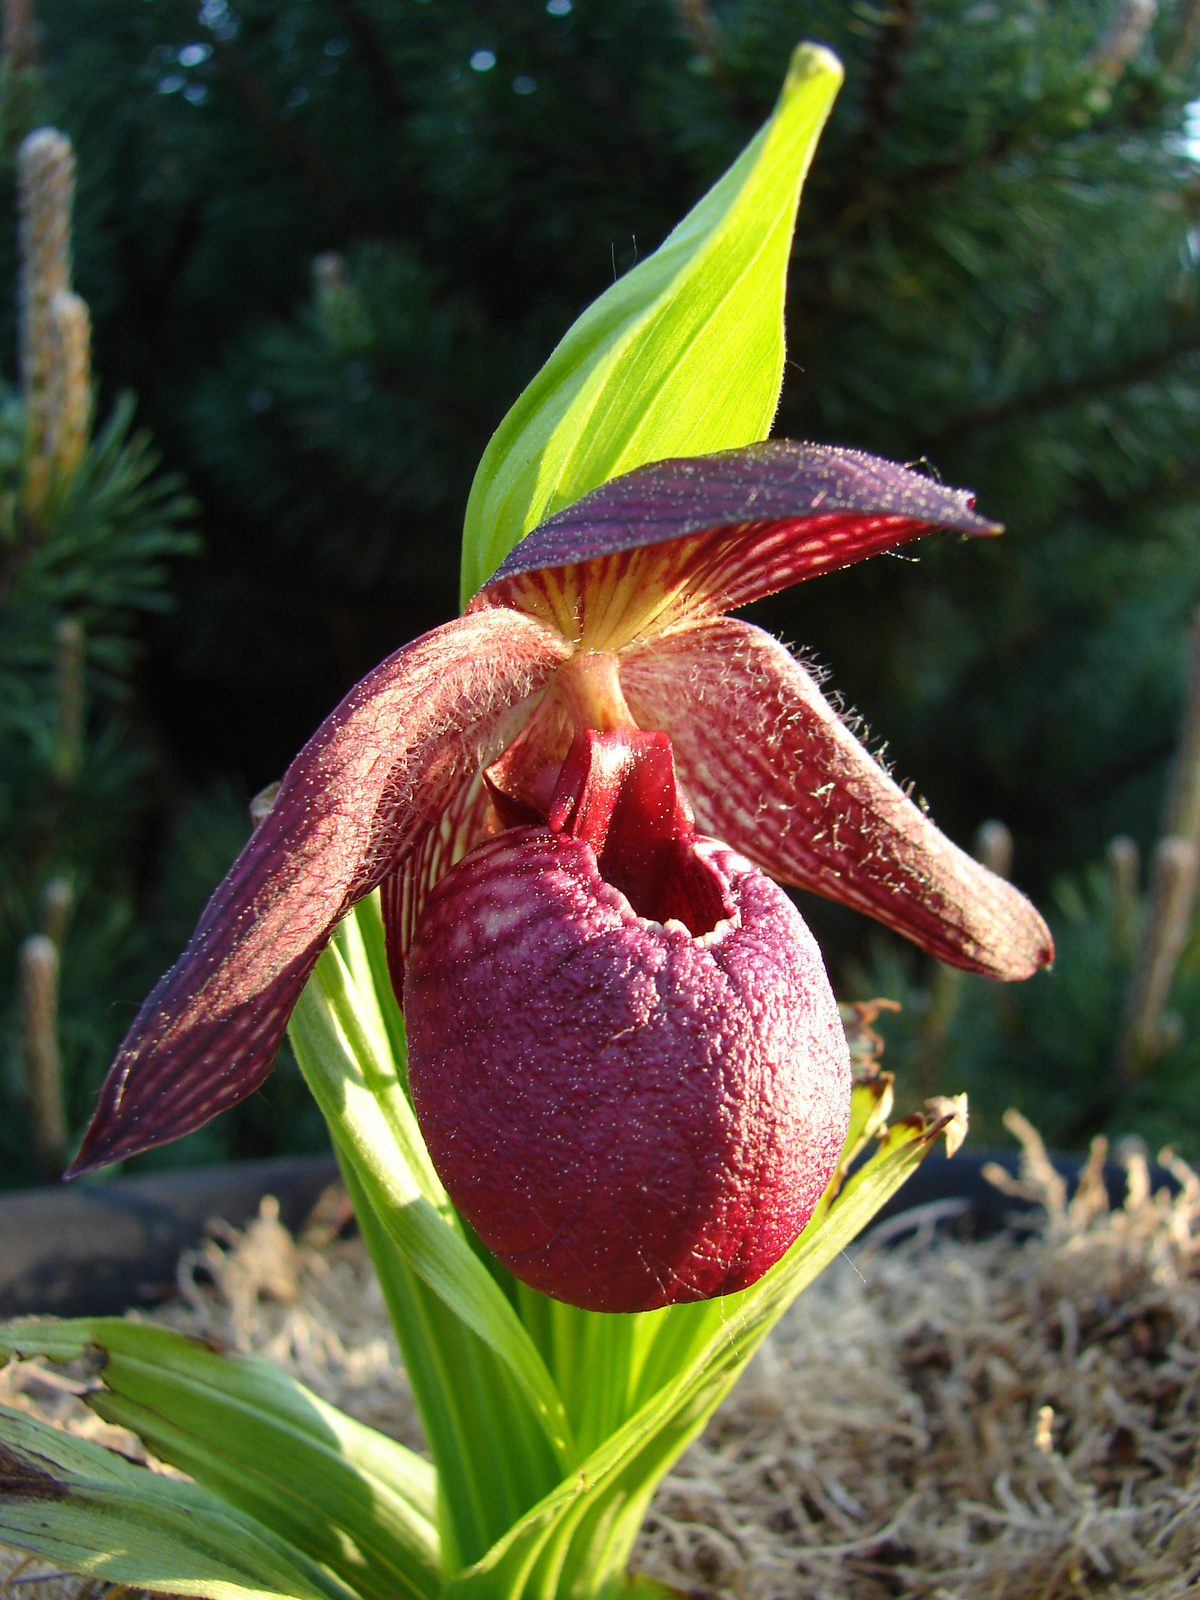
{"x": 578, "y": 801}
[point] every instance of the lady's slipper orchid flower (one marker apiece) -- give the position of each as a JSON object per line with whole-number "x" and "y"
{"x": 638, "y": 992}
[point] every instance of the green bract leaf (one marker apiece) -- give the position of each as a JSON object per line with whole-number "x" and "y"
{"x": 347, "y": 1496}
{"x": 683, "y": 355}
{"x": 84, "y": 1508}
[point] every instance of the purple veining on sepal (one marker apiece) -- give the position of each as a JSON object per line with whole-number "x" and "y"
{"x": 772, "y": 769}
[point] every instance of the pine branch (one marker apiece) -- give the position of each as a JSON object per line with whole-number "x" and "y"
{"x": 580, "y": 78}
{"x": 1055, "y": 396}
{"x": 38, "y": 969}
{"x": 1181, "y": 815}
{"x": 396, "y": 105}
{"x": 701, "y": 26}
{"x": 1124, "y": 870}
{"x": 361, "y": 27}
{"x": 54, "y": 327}
{"x": 878, "y": 102}
{"x": 1187, "y": 36}
{"x": 19, "y": 41}
{"x": 1107, "y": 61}
{"x": 1168, "y": 919}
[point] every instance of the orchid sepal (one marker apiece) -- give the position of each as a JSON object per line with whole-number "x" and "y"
{"x": 697, "y": 536}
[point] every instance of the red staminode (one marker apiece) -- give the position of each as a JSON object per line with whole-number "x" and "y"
{"x": 624, "y": 1052}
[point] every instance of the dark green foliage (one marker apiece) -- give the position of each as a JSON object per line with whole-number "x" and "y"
{"x": 996, "y": 269}
{"x": 103, "y": 563}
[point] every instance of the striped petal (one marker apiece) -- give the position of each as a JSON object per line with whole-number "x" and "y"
{"x": 466, "y": 822}
{"x": 359, "y": 799}
{"x": 771, "y": 769}
{"x": 704, "y": 534}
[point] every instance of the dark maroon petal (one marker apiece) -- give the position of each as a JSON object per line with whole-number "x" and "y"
{"x": 770, "y": 767}
{"x": 363, "y": 793}
{"x": 708, "y": 533}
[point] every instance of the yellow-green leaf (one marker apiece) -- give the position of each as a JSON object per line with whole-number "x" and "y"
{"x": 341, "y": 1045}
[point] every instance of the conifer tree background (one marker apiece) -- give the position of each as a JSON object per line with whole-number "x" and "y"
{"x": 326, "y": 241}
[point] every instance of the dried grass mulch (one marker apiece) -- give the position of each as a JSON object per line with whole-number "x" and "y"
{"x": 1013, "y": 1419}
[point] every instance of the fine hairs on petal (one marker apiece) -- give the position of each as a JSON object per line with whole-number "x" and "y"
{"x": 829, "y": 505}
{"x": 693, "y": 537}
{"x": 771, "y": 768}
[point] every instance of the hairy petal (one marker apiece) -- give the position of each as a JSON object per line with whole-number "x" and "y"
{"x": 360, "y": 797}
{"x": 770, "y": 767}
{"x": 705, "y": 534}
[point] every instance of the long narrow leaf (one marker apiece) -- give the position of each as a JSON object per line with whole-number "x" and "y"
{"x": 353, "y": 992}
{"x": 368, "y": 918}
{"x": 349, "y": 1497}
{"x": 82, "y": 1507}
{"x": 492, "y": 1472}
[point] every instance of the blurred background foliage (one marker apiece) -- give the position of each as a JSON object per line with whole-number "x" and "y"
{"x": 325, "y": 242}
